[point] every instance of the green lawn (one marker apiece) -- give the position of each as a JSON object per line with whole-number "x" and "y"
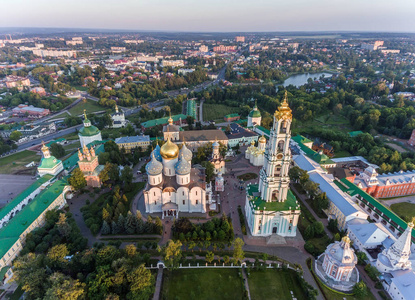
{"x": 60, "y": 116}
{"x": 342, "y": 153}
{"x": 17, "y": 293}
{"x": 71, "y": 136}
{"x": 336, "y": 296}
{"x": 327, "y": 121}
{"x": 81, "y": 88}
{"x": 405, "y": 210}
{"x": 248, "y": 176}
{"x": 15, "y": 163}
{"x": 274, "y": 284}
{"x": 217, "y": 111}
{"x": 89, "y": 105}
{"x": 202, "y": 284}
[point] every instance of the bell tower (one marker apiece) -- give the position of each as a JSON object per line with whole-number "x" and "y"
{"x": 274, "y": 180}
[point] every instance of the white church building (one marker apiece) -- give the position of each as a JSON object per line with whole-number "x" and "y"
{"x": 270, "y": 206}
{"x": 256, "y": 155}
{"x": 173, "y": 185}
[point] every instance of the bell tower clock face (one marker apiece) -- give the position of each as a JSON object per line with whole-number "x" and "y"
{"x": 279, "y": 156}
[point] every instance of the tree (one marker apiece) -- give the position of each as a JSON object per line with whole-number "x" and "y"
{"x": 318, "y": 228}
{"x": 361, "y": 258}
{"x": 295, "y": 173}
{"x": 105, "y": 228}
{"x": 30, "y": 274}
{"x": 130, "y": 223}
{"x": 337, "y": 237}
{"x": 131, "y": 250}
{"x": 57, "y": 150}
{"x": 210, "y": 256}
{"x": 322, "y": 201}
{"x": 104, "y": 175}
{"x": 360, "y": 289}
{"x": 58, "y": 253}
{"x": 127, "y": 178}
{"x": 63, "y": 226}
{"x": 173, "y": 253}
{"x": 209, "y": 170}
{"x": 15, "y": 135}
{"x": 141, "y": 283}
{"x": 64, "y": 287}
{"x": 238, "y": 253}
{"x": 309, "y": 232}
{"x": 77, "y": 179}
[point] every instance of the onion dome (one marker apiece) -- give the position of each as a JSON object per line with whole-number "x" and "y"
{"x": 156, "y": 152}
{"x": 154, "y": 167}
{"x": 252, "y": 143}
{"x": 255, "y": 112}
{"x": 262, "y": 139}
{"x": 182, "y": 167}
{"x": 88, "y": 129}
{"x": 187, "y": 154}
{"x": 169, "y": 150}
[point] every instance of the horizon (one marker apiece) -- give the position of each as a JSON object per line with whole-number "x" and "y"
{"x": 216, "y": 17}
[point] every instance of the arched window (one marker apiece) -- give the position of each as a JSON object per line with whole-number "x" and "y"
{"x": 283, "y": 127}
{"x": 275, "y": 195}
{"x": 281, "y": 146}
{"x": 277, "y": 171}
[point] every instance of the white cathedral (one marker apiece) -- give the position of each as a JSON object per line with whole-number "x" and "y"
{"x": 270, "y": 206}
{"x": 256, "y": 155}
{"x": 173, "y": 185}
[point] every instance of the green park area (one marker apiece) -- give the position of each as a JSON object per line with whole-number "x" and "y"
{"x": 275, "y": 284}
{"x": 216, "y": 112}
{"x": 89, "y": 105}
{"x": 202, "y": 284}
{"x": 15, "y": 163}
{"x": 404, "y": 210}
{"x": 326, "y": 121}
{"x": 62, "y": 115}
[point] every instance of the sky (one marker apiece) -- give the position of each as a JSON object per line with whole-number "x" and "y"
{"x": 213, "y": 15}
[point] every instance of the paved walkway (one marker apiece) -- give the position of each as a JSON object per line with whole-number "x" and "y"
{"x": 408, "y": 199}
{"x": 369, "y": 282}
{"x": 246, "y": 283}
{"x": 302, "y": 198}
{"x": 159, "y": 281}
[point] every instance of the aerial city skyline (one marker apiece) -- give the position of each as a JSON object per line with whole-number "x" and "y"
{"x": 217, "y": 16}
{"x": 207, "y": 150}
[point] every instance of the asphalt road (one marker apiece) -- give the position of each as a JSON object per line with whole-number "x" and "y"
{"x": 49, "y": 137}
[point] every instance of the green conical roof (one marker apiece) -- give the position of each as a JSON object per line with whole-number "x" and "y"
{"x": 89, "y": 131}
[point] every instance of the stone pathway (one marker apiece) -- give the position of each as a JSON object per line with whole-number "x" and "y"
{"x": 159, "y": 281}
{"x": 246, "y": 283}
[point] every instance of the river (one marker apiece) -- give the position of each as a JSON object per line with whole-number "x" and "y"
{"x": 301, "y": 79}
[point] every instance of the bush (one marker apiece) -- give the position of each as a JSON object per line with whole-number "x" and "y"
{"x": 242, "y": 220}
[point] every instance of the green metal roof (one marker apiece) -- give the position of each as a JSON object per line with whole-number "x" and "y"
{"x": 255, "y": 113}
{"x": 89, "y": 131}
{"x": 11, "y": 233}
{"x": 49, "y": 163}
{"x": 355, "y": 133}
{"x": 322, "y": 159}
{"x": 352, "y": 189}
{"x": 301, "y": 139}
{"x": 231, "y": 116}
{"x": 263, "y": 129}
{"x": 162, "y": 121}
{"x": 23, "y": 195}
{"x": 259, "y": 204}
{"x": 191, "y": 108}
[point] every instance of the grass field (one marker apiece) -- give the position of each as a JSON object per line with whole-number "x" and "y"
{"x": 217, "y": 111}
{"x": 342, "y": 153}
{"x": 71, "y": 136}
{"x": 202, "y": 284}
{"x": 274, "y": 284}
{"x": 81, "y": 88}
{"x": 60, "y": 116}
{"x": 405, "y": 210}
{"x": 336, "y": 296}
{"x": 15, "y": 163}
{"x": 328, "y": 121}
{"x": 89, "y": 105}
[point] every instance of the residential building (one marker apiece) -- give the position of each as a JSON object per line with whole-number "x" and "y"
{"x": 38, "y": 90}
{"x": 203, "y": 48}
{"x": 240, "y": 39}
{"x": 184, "y": 72}
{"x": 130, "y": 143}
{"x": 31, "y": 111}
{"x": 172, "y": 63}
{"x": 54, "y": 53}
{"x": 19, "y": 82}
{"x": 222, "y": 48}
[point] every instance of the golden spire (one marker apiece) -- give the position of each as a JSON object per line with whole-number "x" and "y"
{"x": 170, "y": 118}
{"x": 116, "y": 108}
{"x": 44, "y": 147}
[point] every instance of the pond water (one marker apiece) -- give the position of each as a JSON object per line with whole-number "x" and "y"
{"x": 301, "y": 79}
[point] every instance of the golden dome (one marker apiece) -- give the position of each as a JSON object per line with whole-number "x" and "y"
{"x": 262, "y": 139}
{"x": 169, "y": 150}
{"x": 284, "y": 111}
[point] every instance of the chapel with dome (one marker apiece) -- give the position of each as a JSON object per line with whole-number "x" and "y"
{"x": 88, "y": 133}
{"x": 254, "y": 117}
{"x": 49, "y": 163}
{"x": 173, "y": 185}
{"x": 336, "y": 267}
{"x": 255, "y": 155}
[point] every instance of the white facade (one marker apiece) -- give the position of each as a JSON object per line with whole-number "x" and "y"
{"x": 270, "y": 207}
{"x": 118, "y": 119}
{"x": 173, "y": 185}
{"x": 49, "y": 164}
{"x": 256, "y": 155}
